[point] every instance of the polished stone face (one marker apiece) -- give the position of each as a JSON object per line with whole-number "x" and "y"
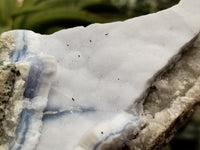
{"x": 83, "y": 87}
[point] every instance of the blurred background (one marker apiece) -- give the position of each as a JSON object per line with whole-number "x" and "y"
{"x": 48, "y": 16}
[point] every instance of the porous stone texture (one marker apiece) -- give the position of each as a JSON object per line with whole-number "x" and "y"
{"x": 7, "y": 80}
{"x": 6, "y": 45}
{"x": 11, "y": 91}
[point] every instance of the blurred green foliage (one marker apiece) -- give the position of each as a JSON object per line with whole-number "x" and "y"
{"x": 48, "y": 16}
{"x": 7, "y": 7}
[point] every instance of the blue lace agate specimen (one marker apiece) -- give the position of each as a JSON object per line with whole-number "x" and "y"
{"x": 104, "y": 72}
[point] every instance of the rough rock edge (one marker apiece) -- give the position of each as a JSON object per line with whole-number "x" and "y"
{"x": 13, "y": 111}
{"x": 161, "y": 129}
{"x": 7, "y": 44}
{"x": 7, "y": 79}
{"x": 163, "y": 124}
{"x": 14, "y": 107}
{"x": 170, "y": 103}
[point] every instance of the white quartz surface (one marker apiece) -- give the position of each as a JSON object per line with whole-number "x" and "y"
{"x": 107, "y": 67}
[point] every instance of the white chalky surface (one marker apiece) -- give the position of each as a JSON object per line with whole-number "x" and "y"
{"x": 102, "y": 69}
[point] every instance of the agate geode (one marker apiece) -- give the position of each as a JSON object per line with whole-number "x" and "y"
{"x": 83, "y": 88}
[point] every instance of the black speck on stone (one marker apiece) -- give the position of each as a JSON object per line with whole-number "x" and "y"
{"x": 106, "y": 33}
{"x": 90, "y": 41}
{"x": 101, "y": 132}
{"x": 79, "y": 55}
{"x": 118, "y": 79}
{"x": 153, "y": 88}
{"x": 68, "y": 45}
{"x": 73, "y": 99}
{"x": 12, "y": 70}
{"x": 18, "y": 73}
{"x": 9, "y": 93}
{"x": 13, "y": 80}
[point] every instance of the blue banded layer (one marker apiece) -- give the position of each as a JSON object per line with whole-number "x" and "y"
{"x": 30, "y": 118}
